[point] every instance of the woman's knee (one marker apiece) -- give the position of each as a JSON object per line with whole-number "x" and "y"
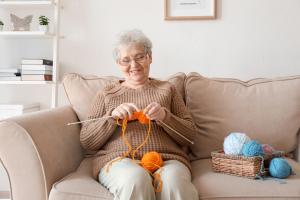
{"x": 176, "y": 179}
{"x": 136, "y": 177}
{"x": 137, "y": 184}
{"x": 174, "y": 171}
{"x": 127, "y": 180}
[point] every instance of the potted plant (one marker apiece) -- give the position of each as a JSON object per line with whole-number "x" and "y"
{"x": 44, "y": 22}
{"x": 1, "y": 25}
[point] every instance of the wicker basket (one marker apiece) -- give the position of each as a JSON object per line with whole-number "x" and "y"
{"x": 250, "y": 167}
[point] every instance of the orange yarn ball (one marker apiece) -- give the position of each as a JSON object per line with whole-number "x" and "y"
{"x": 152, "y": 161}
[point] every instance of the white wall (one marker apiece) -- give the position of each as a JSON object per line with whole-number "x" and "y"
{"x": 250, "y": 38}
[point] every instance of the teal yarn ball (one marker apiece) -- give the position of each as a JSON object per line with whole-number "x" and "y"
{"x": 234, "y": 142}
{"x": 279, "y": 168}
{"x": 253, "y": 148}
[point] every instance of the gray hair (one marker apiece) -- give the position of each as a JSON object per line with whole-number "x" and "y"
{"x": 130, "y": 37}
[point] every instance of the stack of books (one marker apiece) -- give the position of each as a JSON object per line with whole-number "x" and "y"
{"x": 10, "y": 74}
{"x": 36, "y": 70}
{"x": 11, "y": 110}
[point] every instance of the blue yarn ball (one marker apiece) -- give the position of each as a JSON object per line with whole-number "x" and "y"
{"x": 280, "y": 168}
{"x": 253, "y": 148}
{"x": 233, "y": 143}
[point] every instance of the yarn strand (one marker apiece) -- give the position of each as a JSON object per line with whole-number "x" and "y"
{"x": 145, "y": 140}
{"x": 124, "y": 126}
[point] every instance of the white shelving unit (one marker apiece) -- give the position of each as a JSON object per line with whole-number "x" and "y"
{"x": 26, "y": 34}
{"x": 55, "y": 5}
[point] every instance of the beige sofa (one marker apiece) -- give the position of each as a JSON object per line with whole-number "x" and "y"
{"x": 44, "y": 159}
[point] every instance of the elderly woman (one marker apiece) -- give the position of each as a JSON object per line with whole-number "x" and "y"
{"x": 163, "y": 105}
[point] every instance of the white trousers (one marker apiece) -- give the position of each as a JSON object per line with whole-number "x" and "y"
{"x": 129, "y": 181}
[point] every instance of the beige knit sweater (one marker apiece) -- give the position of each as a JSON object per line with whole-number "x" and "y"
{"x": 105, "y": 137}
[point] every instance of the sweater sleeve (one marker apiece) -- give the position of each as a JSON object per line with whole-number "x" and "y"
{"x": 94, "y": 134}
{"x": 179, "y": 119}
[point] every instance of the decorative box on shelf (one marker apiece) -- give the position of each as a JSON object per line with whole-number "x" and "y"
{"x": 11, "y": 110}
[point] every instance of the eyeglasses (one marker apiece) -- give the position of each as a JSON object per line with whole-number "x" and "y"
{"x": 139, "y": 58}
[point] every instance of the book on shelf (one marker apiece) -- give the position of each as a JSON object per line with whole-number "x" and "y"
{"x": 19, "y": 106}
{"x": 36, "y": 77}
{"x": 36, "y": 67}
{"x": 9, "y": 74}
{"x": 11, "y": 113}
{"x": 10, "y": 78}
{"x": 10, "y": 70}
{"x": 47, "y": 72}
{"x": 26, "y": 61}
{"x": 11, "y": 110}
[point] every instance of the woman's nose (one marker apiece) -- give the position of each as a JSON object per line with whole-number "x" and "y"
{"x": 133, "y": 63}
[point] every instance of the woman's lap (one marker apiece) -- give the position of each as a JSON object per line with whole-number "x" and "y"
{"x": 128, "y": 180}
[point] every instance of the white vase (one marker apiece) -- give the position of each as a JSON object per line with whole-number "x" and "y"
{"x": 44, "y": 28}
{"x": 1, "y": 27}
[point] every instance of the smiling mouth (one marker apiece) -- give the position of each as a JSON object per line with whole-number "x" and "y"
{"x": 135, "y": 71}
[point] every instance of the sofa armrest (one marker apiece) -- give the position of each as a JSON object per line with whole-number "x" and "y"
{"x": 38, "y": 149}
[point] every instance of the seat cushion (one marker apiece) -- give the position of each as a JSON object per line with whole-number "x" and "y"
{"x": 80, "y": 186}
{"x": 81, "y": 89}
{"x": 267, "y": 110}
{"x": 217, "y": 186}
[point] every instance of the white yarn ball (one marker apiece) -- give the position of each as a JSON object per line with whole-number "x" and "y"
{"x": 233, "y": 143}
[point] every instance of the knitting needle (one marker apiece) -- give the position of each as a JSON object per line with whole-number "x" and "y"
{"x": 176, "y": 132}
{"x": 88, "y": 120}
{"x": 112, "y": 117}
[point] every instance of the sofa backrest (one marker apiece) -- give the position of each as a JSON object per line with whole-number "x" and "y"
{"x": 81, "y": 89}
{"x": 267, "y": 110}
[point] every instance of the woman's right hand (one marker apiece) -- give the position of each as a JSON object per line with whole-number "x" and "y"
{"x": 125, "y": 110}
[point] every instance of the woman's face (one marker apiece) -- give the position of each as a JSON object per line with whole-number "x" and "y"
{"x": 135, "y": 64}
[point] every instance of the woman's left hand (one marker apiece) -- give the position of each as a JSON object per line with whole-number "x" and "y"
{"x": 154, "y": 111}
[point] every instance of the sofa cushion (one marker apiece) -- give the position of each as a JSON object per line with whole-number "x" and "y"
{"x": 267, "y": 110}
{"x": 80, "y": 89}
{"x": 80, "y": 186}
{"x": 211, "y": 185}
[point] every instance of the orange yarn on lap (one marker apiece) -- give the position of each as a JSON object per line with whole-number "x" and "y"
{"x": 151, "y": 161}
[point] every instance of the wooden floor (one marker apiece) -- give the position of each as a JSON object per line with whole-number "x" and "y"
{"x": 4, "y": 195}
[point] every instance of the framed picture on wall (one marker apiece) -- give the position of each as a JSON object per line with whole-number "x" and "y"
{"x": 190, "y": 9}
